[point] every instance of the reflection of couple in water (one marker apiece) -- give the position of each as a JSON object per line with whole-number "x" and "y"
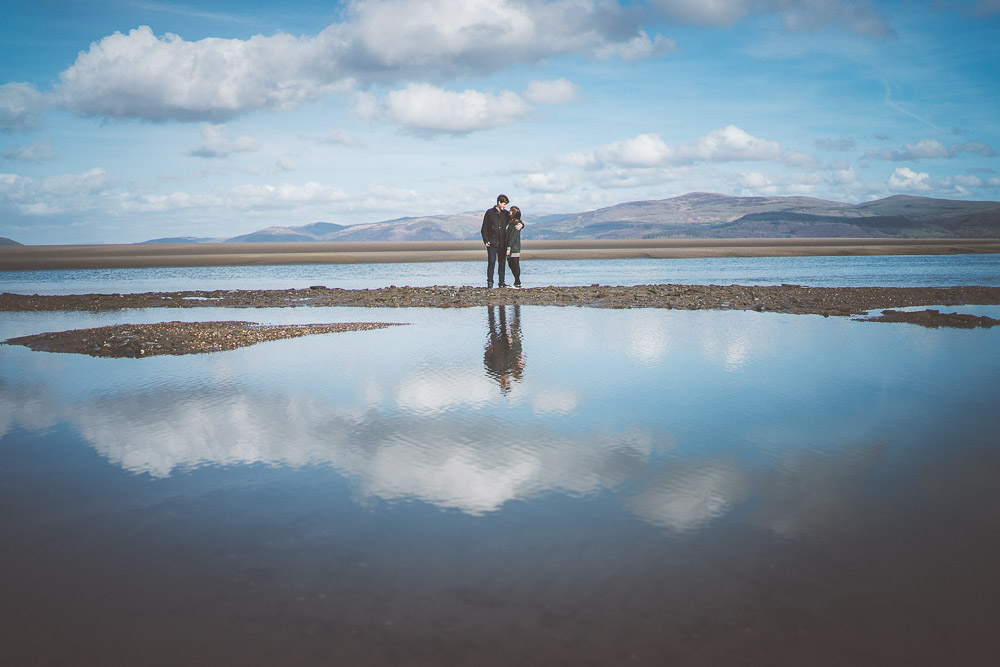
{"x": 504, "y": 359}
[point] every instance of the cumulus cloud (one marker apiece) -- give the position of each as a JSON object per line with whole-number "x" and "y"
{"x": 19, "y": 106}
{"x": 39, "y": 152}
{"x": 427, "y": 109}
{"x": 644, "y": 150}
{"x": 732, "y": 143}
{"x": 56, "y": 194}
{"x": 559, "y": 91}
{"x": 727, "y": 144}
{"x": 545, "y": 182}
{"x": 215, "y": 143}
{"x": 927, "y": 149}
{"x": 639, "y": 47}
{"x": 387, "y": 38}
{"x": 141, "y": 75}
{"x": 906, "y": 180}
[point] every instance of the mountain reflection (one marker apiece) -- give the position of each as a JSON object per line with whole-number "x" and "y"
{"x": 504, "y": 355}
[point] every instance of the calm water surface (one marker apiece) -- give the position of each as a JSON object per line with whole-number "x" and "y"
{"x": 533, "y": 485}
{"x": 917, "y": 270}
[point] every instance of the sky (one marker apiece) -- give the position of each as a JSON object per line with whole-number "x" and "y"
{"x": 129, "y": 120}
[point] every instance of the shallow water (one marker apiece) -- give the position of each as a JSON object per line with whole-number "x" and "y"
{"x": 533, "y": 485}
{"x": 905, "y": 270}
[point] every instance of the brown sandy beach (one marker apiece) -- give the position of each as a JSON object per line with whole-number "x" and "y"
{"x": 48, "y": 257}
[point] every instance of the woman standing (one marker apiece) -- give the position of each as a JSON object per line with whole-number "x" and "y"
{"x": 514, "y": 244}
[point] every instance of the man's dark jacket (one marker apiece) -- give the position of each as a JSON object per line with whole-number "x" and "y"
{"x": 495, "y": 227}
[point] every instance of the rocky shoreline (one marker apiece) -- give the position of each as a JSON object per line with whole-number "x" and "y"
{"x": 828, "y": 301}
{"x": 128, "y": 340}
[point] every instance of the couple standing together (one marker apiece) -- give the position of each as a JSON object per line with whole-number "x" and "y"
{"x": 502, "y": 236}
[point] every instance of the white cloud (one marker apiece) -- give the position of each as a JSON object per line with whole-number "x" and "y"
{"x": 215, "y": 143}
{"x": 645, "y": 150}
{"x": 639, "y": 47}
{"x": 545, "y": 182}
{"x": 39, "y": 152}
{"x": 141, "y": 75}
{"x": 906, "y": 180}
{"x": 754, "y": 180}
{"x": 390, "y": 38}
{"x": 58, "y": 193}
{"x": 559, "y": 91}
{"x": 731, "y": 143}
{"x": 928, "y": 149}
{"x": 727, "y": 144}
{"x": 427, "y": 109}
{"x": 19, "y": 106}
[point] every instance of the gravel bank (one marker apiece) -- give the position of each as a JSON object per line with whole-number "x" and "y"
{"x": 769, "y": 298}
{"x": 175, "y": 338}
{"x": 127, "y": 340}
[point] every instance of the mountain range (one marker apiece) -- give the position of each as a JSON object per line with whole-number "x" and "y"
{"x": 694, "y": 215}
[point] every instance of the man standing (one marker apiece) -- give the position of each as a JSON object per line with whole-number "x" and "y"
{"x": 495, "y": 237}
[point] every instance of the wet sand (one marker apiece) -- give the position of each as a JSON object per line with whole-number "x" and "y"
{"x": 50, "y": 257}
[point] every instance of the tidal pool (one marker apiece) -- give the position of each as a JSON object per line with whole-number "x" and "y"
{"x": 496, "y": 486}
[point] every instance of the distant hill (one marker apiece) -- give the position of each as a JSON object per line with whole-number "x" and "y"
{"x": 6, "y": 241}
{"x": 185, "y": 239}
{"x": 317, "y": 231}
{"x": 703, "y": 215}
{"x": 694, "y": 215}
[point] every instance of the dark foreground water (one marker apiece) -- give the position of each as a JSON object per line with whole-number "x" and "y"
{"x": 540, "y": 485}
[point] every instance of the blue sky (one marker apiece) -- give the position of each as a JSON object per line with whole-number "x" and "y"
{"x": 128, "y": 120}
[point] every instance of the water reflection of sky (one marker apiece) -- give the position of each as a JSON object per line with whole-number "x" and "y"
{"x": 893, "y": 270}
{"x": 680, "y": 418}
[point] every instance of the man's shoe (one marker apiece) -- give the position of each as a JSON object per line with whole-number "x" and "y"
{"x": 517, "y": 285}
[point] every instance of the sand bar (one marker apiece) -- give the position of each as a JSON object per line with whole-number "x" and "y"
{"x": 138, "y": 341}
{"x": 843, "y": 301}
{"x": 49, "y": 257}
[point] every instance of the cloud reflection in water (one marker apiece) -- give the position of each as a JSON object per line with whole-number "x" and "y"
{"x": 617, "y": 402}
